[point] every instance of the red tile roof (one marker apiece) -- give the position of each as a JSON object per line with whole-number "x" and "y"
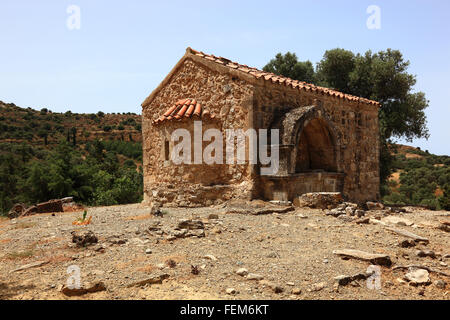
{"x": 185, "y": 108}
{"x": 276, "y": 79}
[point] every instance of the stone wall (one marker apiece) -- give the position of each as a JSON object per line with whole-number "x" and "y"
{"x": 226, "y": 97}
{"x": 288, "y": 188}
{"x": 357, "y": 132}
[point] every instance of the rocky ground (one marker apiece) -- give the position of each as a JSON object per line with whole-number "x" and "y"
{"x": 222, "y": 252}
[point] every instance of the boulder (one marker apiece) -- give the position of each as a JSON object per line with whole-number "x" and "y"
{"x": 319, "y": 200}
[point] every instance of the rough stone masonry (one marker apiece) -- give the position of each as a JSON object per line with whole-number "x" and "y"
{"x": 328, "y": 140}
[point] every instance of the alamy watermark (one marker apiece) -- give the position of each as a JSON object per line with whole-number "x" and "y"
{"x": 373, "y": 282}
{"x": 74, "y": 279}
{"x": 235, "y": 147}
{"x": 374, "y": 20}
{"x": 73, "y": 21}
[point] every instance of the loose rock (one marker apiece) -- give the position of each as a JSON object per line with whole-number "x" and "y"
{"x": 374, "y": 205}
{"x": 441, "y": 284}
{"x": 153, "y": 280}
{"x": 90, "y": 288}
{"x": 242, "y": 272}
{"x": 231, "y": 291}
{"x": 425, "y": 253}
{"x": 84, "y": 239}
{"x": 408, "y": 234}
{"x": 375, "y": 258}
{"x": 318, "y": 286}
{"x": 296, "y": 291}
{"x": 254, "y": 276}
{"x": 418, "y": 276}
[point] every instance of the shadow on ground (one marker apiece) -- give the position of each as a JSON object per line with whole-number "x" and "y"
{"x": 7, "y": 291}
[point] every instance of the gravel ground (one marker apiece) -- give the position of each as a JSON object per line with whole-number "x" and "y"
{"x": 292, "y": 253}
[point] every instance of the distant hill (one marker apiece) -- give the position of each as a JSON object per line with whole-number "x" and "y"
{"x": 419, "y": 178}
{"x": 37, "y": 127}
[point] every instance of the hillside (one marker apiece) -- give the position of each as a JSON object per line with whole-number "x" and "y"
{"x": 96, "y": 158}
{"x": 419, "y": 178}
{"x": 44, "y": 127}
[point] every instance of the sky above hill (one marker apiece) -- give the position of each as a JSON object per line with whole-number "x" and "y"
{"x": 122, "y": 50}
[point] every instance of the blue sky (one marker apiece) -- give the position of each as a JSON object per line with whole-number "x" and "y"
{"x": 124, "y": 49}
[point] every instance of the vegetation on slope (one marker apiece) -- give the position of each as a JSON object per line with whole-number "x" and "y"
{"x": 419, "y": 178}
{"x": 45, "y": 155}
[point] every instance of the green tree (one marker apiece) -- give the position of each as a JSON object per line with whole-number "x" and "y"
{"x": 288, "y": 65}
{"x": 334, "y": 69}
{"x": 73, "y": 130}
{"x": 444, "y": 201}
{"x": 42, "y": 133}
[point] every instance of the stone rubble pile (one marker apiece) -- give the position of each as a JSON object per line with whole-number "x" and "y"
{"x": 319, "y": 200}
{"x": 346, "y": 208}
{"x": 184, "y": 229}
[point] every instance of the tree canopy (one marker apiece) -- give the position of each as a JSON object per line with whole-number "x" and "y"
{"x": 289, "y": 66}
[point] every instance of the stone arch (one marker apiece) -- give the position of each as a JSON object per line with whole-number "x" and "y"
{"x": 315, "y": 148}
{"x": 308, "y": 141}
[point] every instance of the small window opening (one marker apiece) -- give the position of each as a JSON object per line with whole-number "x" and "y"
{"x": 166, "y": 150}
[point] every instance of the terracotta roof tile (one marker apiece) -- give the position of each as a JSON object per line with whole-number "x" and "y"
{"x": 184, "y": 108}
{"x": 279, "y": 79}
